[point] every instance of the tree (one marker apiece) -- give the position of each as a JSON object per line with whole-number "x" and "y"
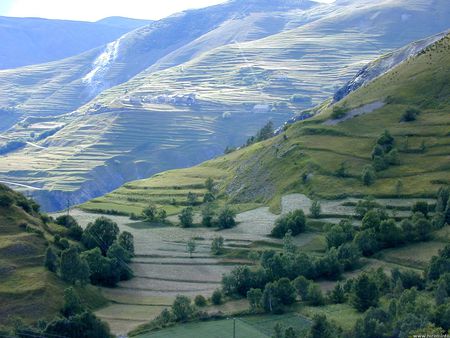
{"x": 392, "y": 157}
{"x": 207, "y": 215}
{"x": 150, "y": 213}
{"x": 182, "y": 308}
{"x": 208, "y": 198}
{"x": 315, "y": 296}
{"x": 442, "y": 199}
{"x": 315, "y": 209}
{"x": 186, "y": 217}
{"x": 337, "y": 295}
{"x": 103, "y": 270}
{"x": 422, "y": 207}
{"x": 72, "y": 268}
{"x": 270, "y": 300}
{"x": 51, "y": 260}
{"x": 126, "y": 241}
{"x": 348, "y": 255}
{"x": 447, "y": 212}
{"x": 294, "y": 221}
{"x": 209, "y": 184}
{"x": 200, "y": 301}
{"x": 367, "y": 242}
{"x": 321, "y": 328}
{"x": 5, "y": 200}
{"x": 66, "y": 221}
{"x": 398, "y": 188}
{"x": 386, "y": 141}
{"x": 226, "y": 219}
{"x": 368, "y": 176}
{"x": 217, "y": 297}
{"x": 254, "y": 297}
{"x": 122, "y": 257}
{"x": 441, "y": 294}
{"x": 84, "y": 325}
{"x": 192, "y": 198}
{"x": 102, "y": 234}
{"x": 72, "y": 303}
{"x": 217, "y": 245}
{"x": 161, "y": 215}
{"x": 301, "y": 284}
{"x": 410, "y": 114}
{"x": 342, "y": 170}
{"x": 365, "y": 293}
{"x": 288, "y": 243}
{"x": 190, "y": 247}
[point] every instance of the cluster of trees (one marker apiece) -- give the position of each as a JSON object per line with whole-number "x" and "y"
{"x": 183, "y": 310}
{"x": 101, "y": 257}
{"x": 266, "y": 132}
{"x": 383, "y": 155}
{"x": 75, "y": 321}
{"x": 154, "y": 214}
{"x": 283, "y": 277}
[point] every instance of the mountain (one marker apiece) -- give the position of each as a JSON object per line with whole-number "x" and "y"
{"x": 170, "y": 117}
{"x": 65, "y": 85}
{"x": 127, "y": 23}
{"x": 29, "y": 41}
{"x": 309, "y": 156}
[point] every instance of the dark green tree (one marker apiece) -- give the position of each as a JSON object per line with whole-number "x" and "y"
{"x": 182, "y": 308}
{"x": 365, "y": 293}
{"x": 72, "y": 304}
{"x": 126, "y": 241}
{"x": 72, "y": 268}
{"x": 186, "y": 217}
{"x": 254, "y": 297}
{"x": 226, "y": 218}
{"x": 102, "y": 234}
{"x": 368, "y": 176}
{"x": 51, "y": 260}
{"x": 217, "y": 245}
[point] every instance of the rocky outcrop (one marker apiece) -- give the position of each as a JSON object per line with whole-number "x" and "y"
{"x": 382, "y": 65}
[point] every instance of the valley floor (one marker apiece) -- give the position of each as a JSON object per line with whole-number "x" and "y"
{"x": 163, "y": 268}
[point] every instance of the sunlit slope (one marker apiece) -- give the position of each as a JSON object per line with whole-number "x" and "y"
{"x": 267, "y": 170}
{"x": 63, "y": 86}
{"x": 125, "y": 134}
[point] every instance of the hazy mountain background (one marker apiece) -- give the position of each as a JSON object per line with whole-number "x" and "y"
{"x": 94, "y": 121}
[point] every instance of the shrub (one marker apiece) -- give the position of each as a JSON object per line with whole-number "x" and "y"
{"x": 315, "y": 296}
{"x": 410, "y": 115}
{"x": 207, "y": 216}
{"x": 338, "y": 112}
{"x": 51, "y": 260}
{"x": 217, "y": 297}
{"x": 5, "y": 200}
{"x": 200, "y": 301}
{"x": 422, "y": 207}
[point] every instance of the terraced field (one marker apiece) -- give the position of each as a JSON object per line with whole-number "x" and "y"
{"x": 163, "y": 268}
{"x": 124, "y": 135}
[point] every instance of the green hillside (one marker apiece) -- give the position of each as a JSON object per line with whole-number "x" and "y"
{"x": 28, "y": 291}
{"x": 143, "y": 127}
{"x": 306, "y": 157}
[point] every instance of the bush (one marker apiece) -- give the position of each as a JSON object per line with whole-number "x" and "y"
{"x": 5, "y": 200}
{"x": 217, "y": 297}
{"x": 207, "y": 215}
{"x": 200, "y": 301}
{"x": 315, "y": 296}
{"x": 338, "y": 112}
{"x": 422, "y": 207}
{"x": 410, "y": 115}
{"x": 66, "y": 221}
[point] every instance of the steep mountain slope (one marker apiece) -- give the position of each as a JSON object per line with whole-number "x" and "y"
{"x": 28, "y": 290}
{"x": 28, "y": 41}
{"x": 67, "y": 84}
{"x": 307, "y": 157}
{"x": 183, "y": 115}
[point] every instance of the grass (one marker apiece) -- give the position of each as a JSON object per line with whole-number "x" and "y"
{"x": 246, "y": 327}
{"x": 342, "y": 314}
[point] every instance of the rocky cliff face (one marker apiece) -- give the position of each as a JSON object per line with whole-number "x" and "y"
{"x": 382, "y": 65}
